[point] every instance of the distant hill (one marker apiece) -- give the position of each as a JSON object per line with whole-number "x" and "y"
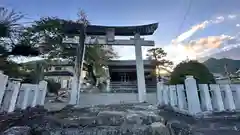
{"x": 217, "y": 65}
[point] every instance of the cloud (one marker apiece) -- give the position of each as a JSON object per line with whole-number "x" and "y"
{"x": 210, "y": 42}
{"x": 177, "y": 53}
{"x": 200, "y": 47}
{"x": 177, "y": 50}
{"x": 232, "y": 16}
{"x": 229, "y": 48}
{"x": 190, "y": 32}
{"x": 218, "y": 19}
{"x": 197, "y": 27}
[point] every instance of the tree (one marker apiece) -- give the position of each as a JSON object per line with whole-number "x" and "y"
{"x": 157, "y": 56}
{"x": 8, "y": 22}
{"x": 10, "y": 32}
{"x": 10, "y": 45}
{"x": 36, "y": 69}
{"x": 49, "y": 33}
{"x": 198, "y": 70}
{"x": 10, "y": 68}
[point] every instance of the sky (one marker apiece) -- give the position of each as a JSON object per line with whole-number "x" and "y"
{"x": 211, "y": 27}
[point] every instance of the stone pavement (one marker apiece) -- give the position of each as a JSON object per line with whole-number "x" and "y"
{"x": 123, "y": 119}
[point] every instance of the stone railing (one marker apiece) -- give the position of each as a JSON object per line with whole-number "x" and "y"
{"x": 14, "y": 95}
{"x": 193, "y": 99}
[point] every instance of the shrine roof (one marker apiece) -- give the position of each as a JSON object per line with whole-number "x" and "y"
{"x": 149, "y": 29}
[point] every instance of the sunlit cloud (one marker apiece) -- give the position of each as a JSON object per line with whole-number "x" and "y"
{"x": 179, "y": 49}
{"x": 176, "y": 53}
{"x": 187, "y": 34}
{"x": 190, "y": 32}
{"x": 210, "y": 42}
{"x": 201, "y": 47}
{"x": 228, "y": 43}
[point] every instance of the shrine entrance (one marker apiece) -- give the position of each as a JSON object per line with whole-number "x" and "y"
{"x": 125, "y": 77}
{"x": 105, "y": 35}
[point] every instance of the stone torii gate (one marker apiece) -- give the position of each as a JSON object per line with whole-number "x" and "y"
{"x": 105, "y": 35}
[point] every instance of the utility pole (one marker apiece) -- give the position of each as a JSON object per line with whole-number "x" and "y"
{"x": 226, "y": 71}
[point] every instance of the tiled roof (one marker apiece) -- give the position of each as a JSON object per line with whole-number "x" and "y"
{"x": 73, "y": 28}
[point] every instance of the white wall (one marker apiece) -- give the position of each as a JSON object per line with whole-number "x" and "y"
{"x": 222, "y": 81}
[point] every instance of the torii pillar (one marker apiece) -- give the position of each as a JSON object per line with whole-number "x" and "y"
{"x": 140, "y": 69}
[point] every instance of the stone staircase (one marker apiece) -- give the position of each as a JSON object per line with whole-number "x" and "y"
{"x": 130, "y": 87}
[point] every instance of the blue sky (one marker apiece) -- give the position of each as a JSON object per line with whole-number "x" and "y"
{"x": 217, "y": 19}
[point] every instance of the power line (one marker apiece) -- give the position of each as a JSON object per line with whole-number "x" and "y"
{"x": 185, "y": 17}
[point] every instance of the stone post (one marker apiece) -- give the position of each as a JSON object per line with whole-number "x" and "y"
{"x": 192, "y": 95}
{"x": 3, "y": 83}
{"x": 237, "y": 89}
{"x": 160, "y": 93}
{"x": 217, "y": 97}
{"x": 7, "y": 95}
{"x": 13, "y": 99}
{"x": 181, "y": 97}
{"x": 108, "y": 81}
{"x": 43, "y": 89}
{"x": 35, "y": 90}
{"x": 74, "y": 92}
{"x": 140, "y": 69}
{"x": 108, "y": 85}
{"x": 26, "y": 88}
{"x": 165, "y": 94}
{"x": 205, "y": 97}
{"x": 172, "y": 89}
{"x": 229, "y": 102}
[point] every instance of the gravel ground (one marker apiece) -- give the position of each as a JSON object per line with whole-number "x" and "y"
{"x": 54, "y": 106}
{"x": 122, "y": 119}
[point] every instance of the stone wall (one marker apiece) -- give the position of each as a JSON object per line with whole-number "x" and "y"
{"x": 199, "y": 99}
{"x": 14, "y": 95}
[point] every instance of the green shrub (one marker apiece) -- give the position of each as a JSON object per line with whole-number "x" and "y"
{"x": 198, "y": 70}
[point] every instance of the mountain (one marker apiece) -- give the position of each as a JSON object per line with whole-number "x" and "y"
{"x": 217, "y": 65}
